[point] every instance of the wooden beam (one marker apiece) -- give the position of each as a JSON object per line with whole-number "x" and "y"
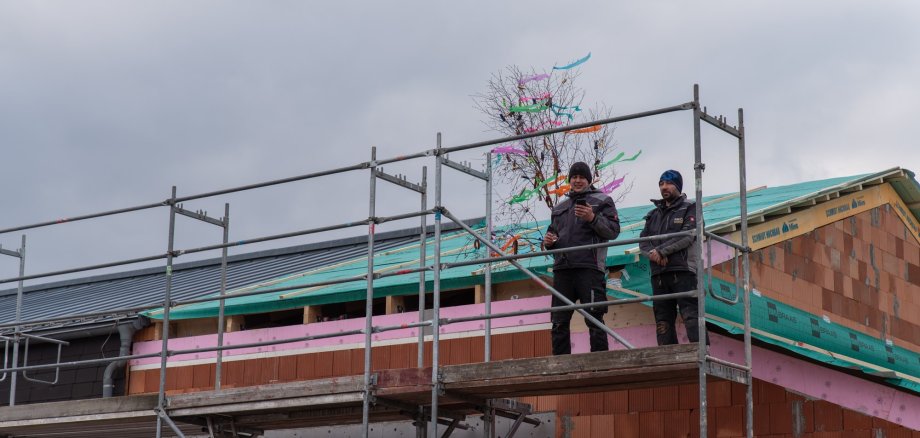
{"x": 542, "y": 367}
{"x": 395, "y": 304}
{"x": 233, "y": 323}
{"x": 268, "y": 392}
{"x": 323, "y": 400}
{"x": 99, "y": 407}
{"x": 311, "y": 314}
{"x": 158, "y": 330}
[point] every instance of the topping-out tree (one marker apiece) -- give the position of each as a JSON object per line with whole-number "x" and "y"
{"x": 532, "y": 173}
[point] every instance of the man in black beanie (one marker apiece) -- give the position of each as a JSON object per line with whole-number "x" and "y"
{"x": 673, "y": 260}
{"x": 587, "y": 216}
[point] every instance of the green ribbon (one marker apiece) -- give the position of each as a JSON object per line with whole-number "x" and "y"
{"x": 532, "y": 108}
{"x": 619, "y": 158}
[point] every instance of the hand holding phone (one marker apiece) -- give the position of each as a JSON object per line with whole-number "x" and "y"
{"x": 583, "y": 211}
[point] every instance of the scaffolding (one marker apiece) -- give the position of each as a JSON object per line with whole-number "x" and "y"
{"x": 426, "y": 413}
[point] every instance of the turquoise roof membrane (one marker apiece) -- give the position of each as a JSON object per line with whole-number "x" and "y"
{"x": 457, "y": 246}
{"x": 838, "y": 345}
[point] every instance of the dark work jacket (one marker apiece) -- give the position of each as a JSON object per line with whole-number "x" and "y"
{"x": 663, "y": 219}
{"x": 573, "y": 231}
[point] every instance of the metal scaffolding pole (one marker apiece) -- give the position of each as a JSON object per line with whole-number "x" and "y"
{"x": 223, "y": 291}
{"x": 422, "y": 251}
{"x": 161, "y": 397}
{"x": 698, "y": 167}
{"x": 436, "y": 293}
{"x": 17, "y": 335}
{"x": 488, "y": 273}
{"x": 369, "y": 304}
{"x": 420, "y": 426}
{"x": 488, "y": 417}
{"x": 746, "y": 268}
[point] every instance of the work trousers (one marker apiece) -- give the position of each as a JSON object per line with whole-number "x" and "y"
{"x": 666, "y": 310}
{"x": 583, "y": 285}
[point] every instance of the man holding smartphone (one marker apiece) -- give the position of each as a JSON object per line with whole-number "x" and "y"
{"x": 587, "y": 216}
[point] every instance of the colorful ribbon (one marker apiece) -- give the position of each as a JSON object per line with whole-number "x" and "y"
{"x": 571, "y": 116}
{"x": 561, "y": 114}
{"x": 539, "y": 77}
{"x": 541, "y": 97}
{"x": 613, "y": 185}
{"x": 523, "y": 196}
{"x": 618, "y": 158}
{"x": 509, "y": 150}
{"x": 510, "y": 242}
{"x": 574, "y": 107}
{"x": 551, "y": 181}
{"x": 614, "y": 160}
{"x": 594, "y": 128}
{"x": 562, "y": 190}
{"x": 532, "y": 108}
{"x": 574, "y": 64}
{"x": 633, "y": 158}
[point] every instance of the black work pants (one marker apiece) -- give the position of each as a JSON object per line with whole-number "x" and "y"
{"x": 587, "y": 286}
{"x": 666, "y": 310}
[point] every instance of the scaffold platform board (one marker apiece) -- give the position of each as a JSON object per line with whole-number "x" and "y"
{"x": 399, "y": 394}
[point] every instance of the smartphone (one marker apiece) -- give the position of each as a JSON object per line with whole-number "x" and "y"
{"x": 581, "y": 201}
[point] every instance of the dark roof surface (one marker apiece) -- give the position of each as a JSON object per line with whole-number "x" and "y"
{"x": 145, "y": 287}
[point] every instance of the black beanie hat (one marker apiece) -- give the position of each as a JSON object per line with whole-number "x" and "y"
{"x": 673, "y": 177}
{"x": 581, "y": 168}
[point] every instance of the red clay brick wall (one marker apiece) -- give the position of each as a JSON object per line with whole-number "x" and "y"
{"x": 673, "y": 411}
{"x": 667, "y": 412}
{"x": 337, "y": 363}
{"x": 863, "y": 272}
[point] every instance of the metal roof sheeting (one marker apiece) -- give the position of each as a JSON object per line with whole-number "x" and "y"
{"x": 145, "y": 287}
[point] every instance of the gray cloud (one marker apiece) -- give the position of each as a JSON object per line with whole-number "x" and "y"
{"x": 107, "y": 104}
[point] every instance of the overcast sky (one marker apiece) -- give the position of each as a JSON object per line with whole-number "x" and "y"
{"x": 107, "y": 104}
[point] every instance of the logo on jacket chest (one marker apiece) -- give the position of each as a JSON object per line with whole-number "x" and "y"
{"x": 678, "y": 221}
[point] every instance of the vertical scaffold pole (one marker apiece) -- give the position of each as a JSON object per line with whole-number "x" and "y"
{"x": 369, "y": 304}
{"x": 436, "y": 293}
{"x": 420, "y": 426}
{"x": 701, "y": 295}
{"x": 16, "y": 338}
{"x": 167, "y": 303}
{"x": 746, "y": 269}
{"x": 488, "y": 274}
{"x": 488, "y": 419}
{"x": 422, "y": 253}
{"x": 223, "y": 290}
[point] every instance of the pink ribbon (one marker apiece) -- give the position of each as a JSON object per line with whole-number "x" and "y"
{"x": 508, "y": 150}
{"x": 539, "y": 77}
{"x": 613, "y": 185}
{"x": 541, "y": 97}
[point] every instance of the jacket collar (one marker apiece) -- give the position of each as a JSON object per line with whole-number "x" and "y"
{"x": 662, "y": 205}
{"x": 588, "y": 191}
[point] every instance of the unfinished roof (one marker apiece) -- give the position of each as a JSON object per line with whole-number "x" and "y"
{"x": 347, "y": 257}
{"x": 721, "y": 212}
